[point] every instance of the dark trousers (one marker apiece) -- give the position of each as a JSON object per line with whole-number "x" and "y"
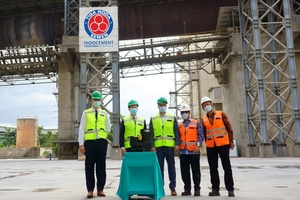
{"x": 168, "y": 154}
{"x": 95, "y": 153}
{"x": 187, "y": 162}
{"x": 212, "y": 157}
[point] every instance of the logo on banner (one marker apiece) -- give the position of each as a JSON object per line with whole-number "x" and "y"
{"x": 98, "y": 24}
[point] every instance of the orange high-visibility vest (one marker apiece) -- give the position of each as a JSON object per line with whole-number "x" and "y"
{"x": 216, "y": 134}
{"x": 188, "y": 137}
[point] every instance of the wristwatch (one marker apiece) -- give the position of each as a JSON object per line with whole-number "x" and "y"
{"x": 198, "y": 144}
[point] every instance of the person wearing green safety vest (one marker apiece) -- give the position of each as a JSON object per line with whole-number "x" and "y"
{"x": 92, "y": 138}
{"x": 165, "y": 140}
{"x": 131, "y": 126}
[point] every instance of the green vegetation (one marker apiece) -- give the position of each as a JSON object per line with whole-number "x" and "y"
{"x": 9, "y": 137}
{"x": 44, "y": 140}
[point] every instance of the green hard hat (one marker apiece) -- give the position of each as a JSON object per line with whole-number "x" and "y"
{"x": 96, "y": 95}
{"x": 162, "y": 100}
{"x": 132, "y": 102}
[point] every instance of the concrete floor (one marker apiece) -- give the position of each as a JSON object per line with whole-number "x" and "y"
{"x": 255, "y": 178}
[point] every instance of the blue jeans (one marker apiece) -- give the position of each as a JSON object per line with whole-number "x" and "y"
{"x": 168, "y": 153}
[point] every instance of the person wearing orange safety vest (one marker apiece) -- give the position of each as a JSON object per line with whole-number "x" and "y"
{"x": 131, "y": 126}
{"x": 92, "y": 138}
{"x": 218, "y": 136}
{"x": 191, "y": 137}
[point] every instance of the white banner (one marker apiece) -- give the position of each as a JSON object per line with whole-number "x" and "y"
{"x": 98, "y": 29}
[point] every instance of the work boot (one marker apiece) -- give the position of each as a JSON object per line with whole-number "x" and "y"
{"x": 186, "y": 193}
{"x": 231, "y": 193}
{"x": 90, "y": 194}
{"x": 214, "y": 193}
{"x": 173, "y": 192}
{"x": 100, "y": 193}
{"x": 197, "y": 193}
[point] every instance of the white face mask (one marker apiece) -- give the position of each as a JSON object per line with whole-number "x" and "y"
{"x": 97, "y": 104}
{"x": 185, "y": 115}
{"x": 207, "y": 108}
{"x": 162, "y": 109}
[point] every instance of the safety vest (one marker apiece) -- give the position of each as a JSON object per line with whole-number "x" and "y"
{"x": 216, "y": 134}
{"x": 188, "y": 136}
{"x": 95, "y": 129}
{"x": 132, "y": 129}
{"x": 163, "y": 132}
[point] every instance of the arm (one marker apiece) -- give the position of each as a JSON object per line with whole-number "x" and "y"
{"x": 176, "y": 132}
{"x": 108, "y": 125}
{"x": 81, "y": 133}
{"x": 152, "y": 141}
{"x": 228, "y": 128}
{"x": 121, "y": 134}
{"x": 200, "y": 133}
{"x": 203, "y": 129}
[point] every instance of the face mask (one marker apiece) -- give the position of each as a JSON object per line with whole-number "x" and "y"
{"x": 185, "y": 115}
{"x": 133, "y": 111}
{"x": 207, "y": 108}
{"x": 97, "y": 104}
{"x": 162, "y": 109}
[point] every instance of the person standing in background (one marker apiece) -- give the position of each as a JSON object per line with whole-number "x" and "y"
{"x": 191, "y": 137}
{"x": 218, "y": 135}
{"x": 166, "y": 140}
{"x": 131, "y": 126}
{"x": 92, "y": 138}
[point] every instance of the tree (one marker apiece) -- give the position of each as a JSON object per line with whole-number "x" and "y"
{"x": 9, "y": 137}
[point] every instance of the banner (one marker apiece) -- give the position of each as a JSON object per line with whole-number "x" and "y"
{"x": 98, "y": 29}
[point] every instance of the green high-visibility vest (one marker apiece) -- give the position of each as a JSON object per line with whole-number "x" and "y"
{"x": 95, "y": 129}
{"x": 163, "y": 132}
{"x": 132, "y": 129}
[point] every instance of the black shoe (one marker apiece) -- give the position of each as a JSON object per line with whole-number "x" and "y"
{"x": 214, "y": 193}
{"x": 197, "y": 193}
{"x": 231, "y": 193}
{"x": 186, "y": 193}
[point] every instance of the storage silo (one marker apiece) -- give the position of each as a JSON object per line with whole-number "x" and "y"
{"x": 27, "y": 132}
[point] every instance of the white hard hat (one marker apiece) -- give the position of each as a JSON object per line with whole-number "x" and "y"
{"x": 205, "y": 99}
{"x": 185, "y": 107}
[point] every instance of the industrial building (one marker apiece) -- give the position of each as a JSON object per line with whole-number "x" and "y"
{"x": 243, "y": 54}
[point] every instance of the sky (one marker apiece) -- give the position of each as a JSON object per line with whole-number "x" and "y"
{"x": 37, "y": 100}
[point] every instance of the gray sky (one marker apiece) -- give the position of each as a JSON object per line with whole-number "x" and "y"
{"x": 31, "y": 100}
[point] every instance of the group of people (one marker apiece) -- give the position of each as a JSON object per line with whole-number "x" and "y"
{"x": 170, "y": 138}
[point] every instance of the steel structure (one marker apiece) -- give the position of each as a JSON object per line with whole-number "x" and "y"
{"x": 267, "y": 51}
{"x": 29, "y": 65}
{"x": 270, "y": 71}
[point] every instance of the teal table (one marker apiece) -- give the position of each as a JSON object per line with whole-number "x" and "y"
{"x": 140, "y": 175}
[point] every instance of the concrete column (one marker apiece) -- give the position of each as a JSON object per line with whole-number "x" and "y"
{"x": 283, "y": 151}
{"x": 266, "y": 151}
{"x": 252, "y": 151}
{"x": 297, "y": 150}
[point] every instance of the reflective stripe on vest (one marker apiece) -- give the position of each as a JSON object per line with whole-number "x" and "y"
{"x": 163, "y": 133}
{"x": 188, "y": 136}
{"x": 132, "y": 129}
{"x": 95, "y": 129}
{"x": 216, "y": 134}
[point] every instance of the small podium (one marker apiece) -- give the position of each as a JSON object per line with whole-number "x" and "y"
{"x": 140, "y": 175}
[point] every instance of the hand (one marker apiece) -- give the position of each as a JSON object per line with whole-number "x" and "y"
{"x": 153, "y": 149}
{"x": 176, "y": 148}
{"x": 123, "y": 150}
{"x": 197, "y": 149}
{"x": 232, "y": 145}
{"x": 82, "y": 149}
